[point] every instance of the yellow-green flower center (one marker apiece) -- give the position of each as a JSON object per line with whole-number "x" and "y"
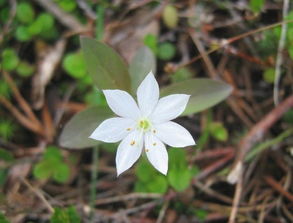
{"x": 144, "y": 124}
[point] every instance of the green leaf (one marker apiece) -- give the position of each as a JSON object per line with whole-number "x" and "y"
{"x": 52, "y": 153}
{"x": 143, "y": 62}
{"x": 166, "y": 51}
{"x": 144, "y": 171}
{"x": 76, "y": 132}
{"x": 170, "y": 16}
{"x": 269, "y": 75}
{"x": 288, "y": 116}
{"x": 74, "y": 65}
{"x": 151, "y": 41}
{"x": 3, "y": 218}
{"x": 43, "y": 170}
{"x": 95, "y": 97}
{"x": 158, "y": 184}
{"x": 61, "y": 173}
{"x": 24, "y": 69}
{"x": 106, "y": 67}
{"x": 6, "y": 155}
{"x": 9, "y": 59}
{"x": 67, "y": 5}
{"x": 149, "y": 179}
{"x": 68, "y": 215}
{"x": 25, "y": 13}
{"x": 290, "y": 50}
{"x": 3, "y": 178}
{"x": 256, "y": 5}
{"x": 179, "y": 179}
{"x": 5, "y": 89}
{"x": 204, "y": 93}
{"x": 218, "y": 131}
{"x": 179, "y": 175}
{"x": 181, "y": 74}
{"x": 46, "y": 20}
{"x": 22, "y": 34}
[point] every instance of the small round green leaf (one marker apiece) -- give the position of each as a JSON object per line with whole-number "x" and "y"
{"x": 166, "y": 51}
{"x": 9, "y": 59}
{"x": 23, "y": 34}
{"x": 73, "y": 64}
{"x": 218, "y": 131}
{"x": 269, "y": 75}
{"x": 61, "y": 173}
{"x": 25, "y": 13}
{"x": 170, "y": 16}
{"x": 43, "y": 170}
{"x": 24, "y": 69}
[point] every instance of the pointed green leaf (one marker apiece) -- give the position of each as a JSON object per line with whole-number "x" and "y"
{"x": 143, "y": 62}
{"x": 76, "y": 132}
{"x": 104, "y": 65}
{"x": 204, "y": 93}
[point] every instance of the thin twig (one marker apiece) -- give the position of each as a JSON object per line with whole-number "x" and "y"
{"x": 280, "y": 52}
{"x": 20, "y": 117}
{"x": 234, "y": 39}
{"x": 126, "y": 197}
{"x": 22, "y": 102}
{"x": 236, "y": 200}
{"x": 38, "y": 194}
{"x": 256, "y": 134}
{"x": 210, "y": 67}
{"x": 163, "y": 211}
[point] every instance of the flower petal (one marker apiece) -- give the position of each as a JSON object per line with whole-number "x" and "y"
{"x": 156, "y": 153}
{"x": 148, "y": 94}
{"x": 122, "y": 103}
{"x": 169, "y": 107}
{"x": 113, "y": 129}
{"x": 129, "y": 150}
{"x": 174, "y": 134}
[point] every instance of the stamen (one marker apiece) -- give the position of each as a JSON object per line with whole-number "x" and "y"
{"x": 154, "y": 144}
{"x": 147, "y": 150}
{"x": 128, "y": 129}
{"x": 154, "y": 131}
{"x": 132, "y": 142}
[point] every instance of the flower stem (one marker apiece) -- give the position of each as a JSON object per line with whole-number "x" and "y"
{"x": 94, "y": 177}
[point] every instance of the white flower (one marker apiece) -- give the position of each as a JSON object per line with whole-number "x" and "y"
{"x": 145, "y": 126}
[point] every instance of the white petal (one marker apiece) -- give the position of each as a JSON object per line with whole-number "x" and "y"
{"x": 173, "y": 134}
{"x": 129, "y": 151}
{"x": 113, "y": 129}
{"x": 148, "y": 94}
{"x": 169, "y": 107}
{"x": 156, "y": 153}
{"x": 122, "y": 103}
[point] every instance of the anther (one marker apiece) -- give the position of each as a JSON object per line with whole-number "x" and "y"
{"x": 128, "y": 129}
{"x": 154, "y": 144}
{"x": 132, "y": 142}
{"x": 154, "y": 131}
{"x": 146, "y": 150}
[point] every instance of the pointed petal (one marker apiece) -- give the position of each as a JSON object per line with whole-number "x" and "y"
{"x": 122, "y": 103}
{"x": 174, "y": 134}
{"x": 169, "y": 107}
{"x": 113, "y": 129}
{"x": 129, "y": 150}
{"x": 148, "y": 94}
{"x": 156, "y": 153}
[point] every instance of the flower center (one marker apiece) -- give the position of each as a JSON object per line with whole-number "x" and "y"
{"x": 144, "y": 124}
